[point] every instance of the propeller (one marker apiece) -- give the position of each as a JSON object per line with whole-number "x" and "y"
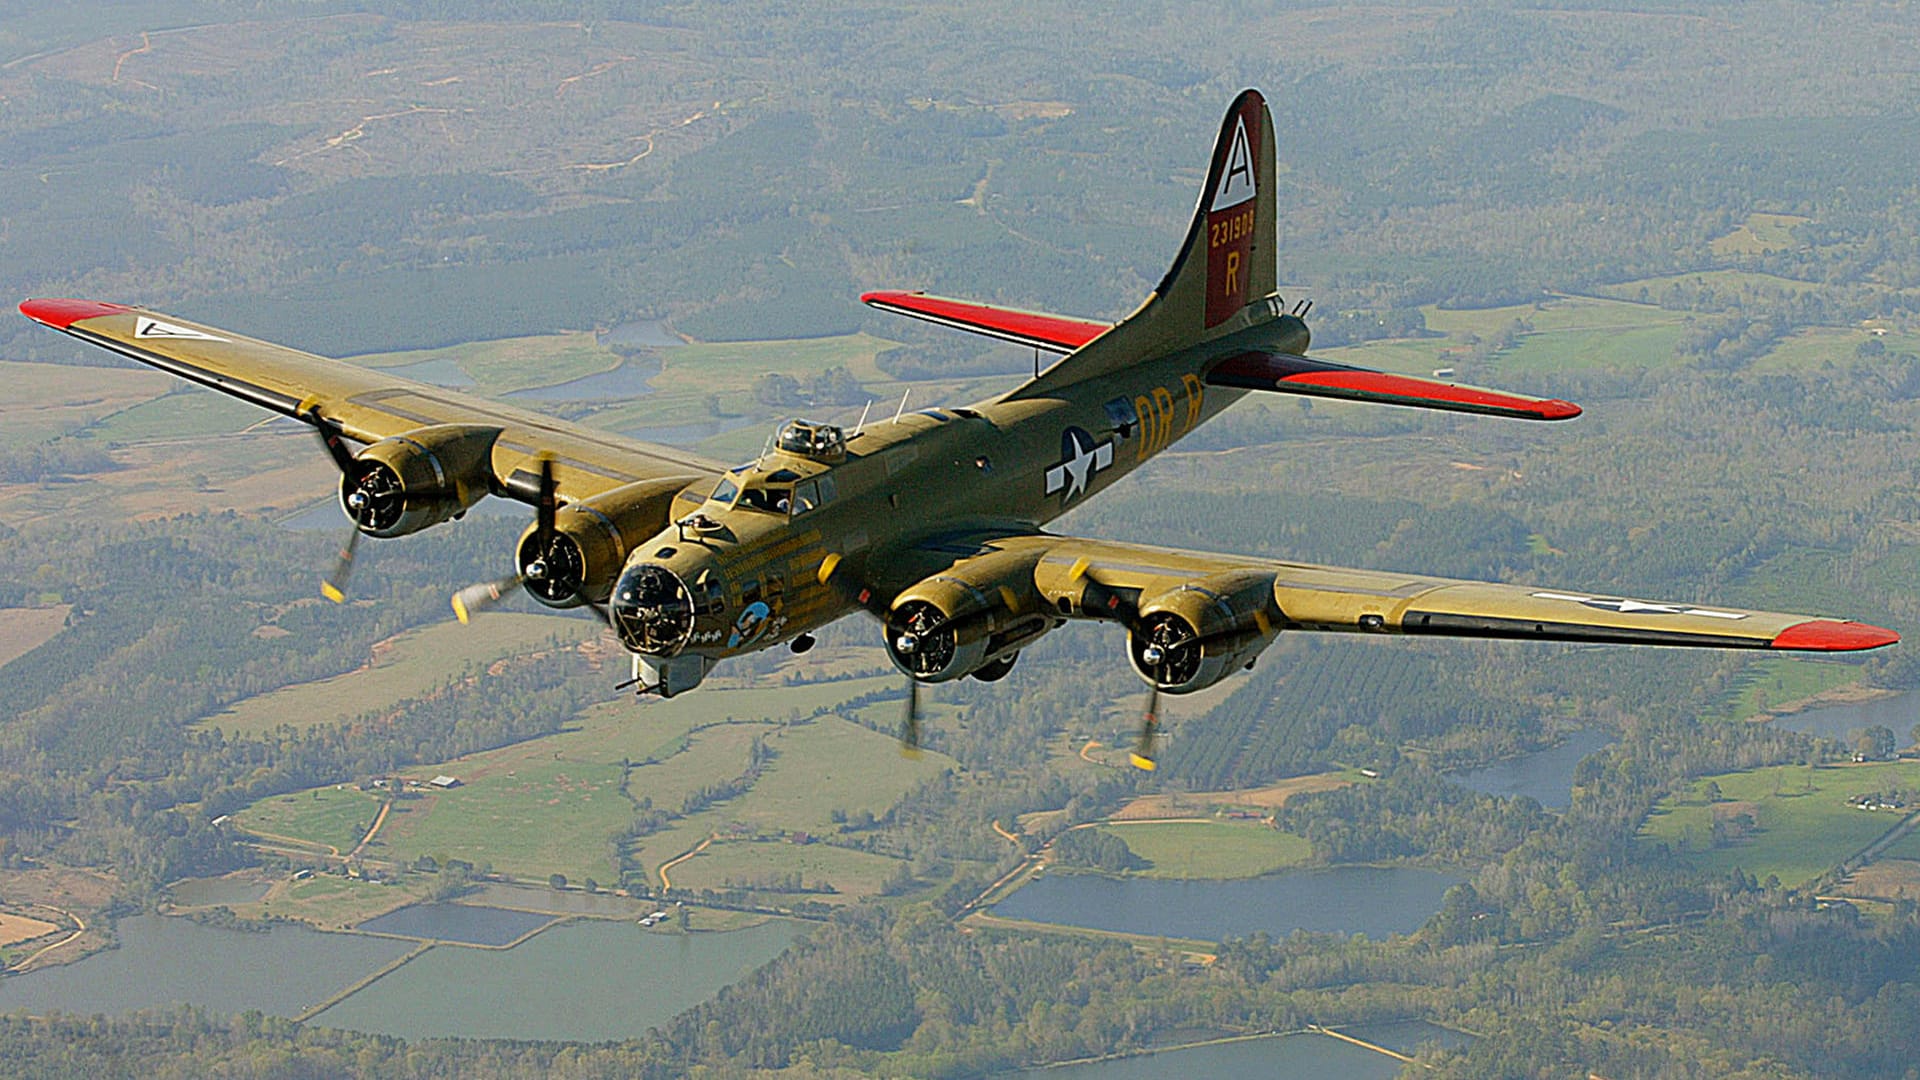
{"x": 1162, "y": 638}
{"x": 554, "y": 570}
{"x": 910, "y": 722}
{"x": 334, "y": 585}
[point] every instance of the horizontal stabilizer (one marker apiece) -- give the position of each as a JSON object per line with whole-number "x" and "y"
{"x": 1289, "y": 374}
{"x": 1054, "y": 333}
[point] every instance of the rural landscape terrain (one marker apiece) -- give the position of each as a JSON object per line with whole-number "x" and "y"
{"x": 263, "y": 834}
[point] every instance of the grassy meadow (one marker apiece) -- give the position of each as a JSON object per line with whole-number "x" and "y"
{"x": 1210, "y": 849}
{"x": 1804, "y": 825}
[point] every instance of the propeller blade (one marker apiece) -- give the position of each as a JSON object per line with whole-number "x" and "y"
{"x": 910, "y": 722}
{"x": 1142, "y": 756}
{"x": 331, "y": 438}
{"x": 475, "y": 598}
{"x": 334, "y": 585}
{"x": 547, "y": 507}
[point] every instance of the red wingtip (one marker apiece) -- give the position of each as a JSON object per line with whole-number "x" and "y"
{"x": 1556, "y": 409}
{"x": 1833, "y": 635}
{"x": 61, "y": 314}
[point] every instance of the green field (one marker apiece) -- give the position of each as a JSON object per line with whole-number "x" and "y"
{"x": 1759, "y": 234}
{"x": 1907, "y": 847}
{"x": 1805, "y": 824}
{"x": 541, "y": 818}
{"x": 329, "y": 900}
{"x": 411, "y": 664}
{"x": 1210, "y": 849}
{"x": 509, "y": 364}
{"x": 1773, "y": 681}
{"x": 757, "y": 864}
{"x": 190, "y": 413}
{"x": 329, "y": 817}
{"x": 554, "y": 805}
{"x": 39, "y": 402}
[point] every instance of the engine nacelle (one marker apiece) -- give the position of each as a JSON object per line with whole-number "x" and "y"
{"x": 406, "y": 483}
{"x": 591, "y": 541}
{"x": 972, "y": 617}
{"x": 1196, "y": 634}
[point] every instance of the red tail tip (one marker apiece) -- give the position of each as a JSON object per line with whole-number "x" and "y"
{"x": 60, "y": 314}
{"x": 1833, "y": 635}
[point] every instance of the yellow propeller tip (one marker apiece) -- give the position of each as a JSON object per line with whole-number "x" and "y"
{"x": 1145, "y": 764}
{"x": 328, "y": 590}
{"x": 460, "y": 610}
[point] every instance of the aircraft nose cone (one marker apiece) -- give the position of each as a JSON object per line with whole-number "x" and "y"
{"x": 652, "y": 610}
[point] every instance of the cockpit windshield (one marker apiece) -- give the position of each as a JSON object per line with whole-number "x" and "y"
{"x": 724, "y": 492}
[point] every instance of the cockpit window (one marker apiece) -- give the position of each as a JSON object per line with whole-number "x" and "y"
{"x": 806, "y": 496}
{"x": 772, "y": 500}
{"x": 723, "y": 494}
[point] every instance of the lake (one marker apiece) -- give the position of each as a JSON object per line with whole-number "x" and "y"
{"x": 1372, "y": 900}
{"x": 588, "y": 981}
{"x": 1545, "y": 776}
{"x": 164, "y": 961}
{"x": 1898, "y": 712}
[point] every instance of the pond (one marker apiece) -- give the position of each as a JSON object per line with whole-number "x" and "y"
{"x": 589, "y": 981}
{"x": 1545, "y": 776}
{"x": 466, "y": 923}
{"x": 1373, "y": 900}
{"x": 208, "y": 892}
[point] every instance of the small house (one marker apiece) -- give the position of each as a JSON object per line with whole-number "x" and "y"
{"x": 444, "y": 783}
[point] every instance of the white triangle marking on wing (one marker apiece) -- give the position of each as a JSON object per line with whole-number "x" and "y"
{"x": 145, "y": 327}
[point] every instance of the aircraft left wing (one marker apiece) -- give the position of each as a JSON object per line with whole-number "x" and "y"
{"x": 1270, "y": 595}
{"x": 365, "y": 404}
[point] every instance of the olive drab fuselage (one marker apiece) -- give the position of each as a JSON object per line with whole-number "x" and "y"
{"x": 763, "y": 565}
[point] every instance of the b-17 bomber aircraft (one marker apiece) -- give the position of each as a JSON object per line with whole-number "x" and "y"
{"x": 932, "y": 521}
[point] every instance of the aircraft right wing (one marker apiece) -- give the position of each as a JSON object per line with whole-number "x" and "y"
{"x": 1265, "y": 596}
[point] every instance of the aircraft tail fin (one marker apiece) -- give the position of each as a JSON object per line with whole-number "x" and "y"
{"x": 1225, "y": 268}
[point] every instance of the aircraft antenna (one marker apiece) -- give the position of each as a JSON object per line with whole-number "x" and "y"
{"x": 768, "y": 445}
{"x": 857, "y": 428}
{"x": 1036, "y": 361}
{"x": 897, "y": 413}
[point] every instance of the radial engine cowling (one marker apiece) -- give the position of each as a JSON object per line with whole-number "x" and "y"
{"x": 591, "y": 541}
{"x": 976, "y": 614}
{"x": 1196, "y": 634}
{"x": 406, "y": 483}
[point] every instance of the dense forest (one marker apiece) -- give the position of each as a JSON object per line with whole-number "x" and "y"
{"x": 362, "y": 176}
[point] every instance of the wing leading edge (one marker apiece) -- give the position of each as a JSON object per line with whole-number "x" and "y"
{"x": 1326, "y": 598}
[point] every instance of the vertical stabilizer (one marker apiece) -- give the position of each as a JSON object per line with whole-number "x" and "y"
{"x": 1226, "y": 263}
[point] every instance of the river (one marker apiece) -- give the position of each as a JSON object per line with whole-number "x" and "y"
{"x": 1372, "y": 900}
{"x": 1545, "y": 776}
